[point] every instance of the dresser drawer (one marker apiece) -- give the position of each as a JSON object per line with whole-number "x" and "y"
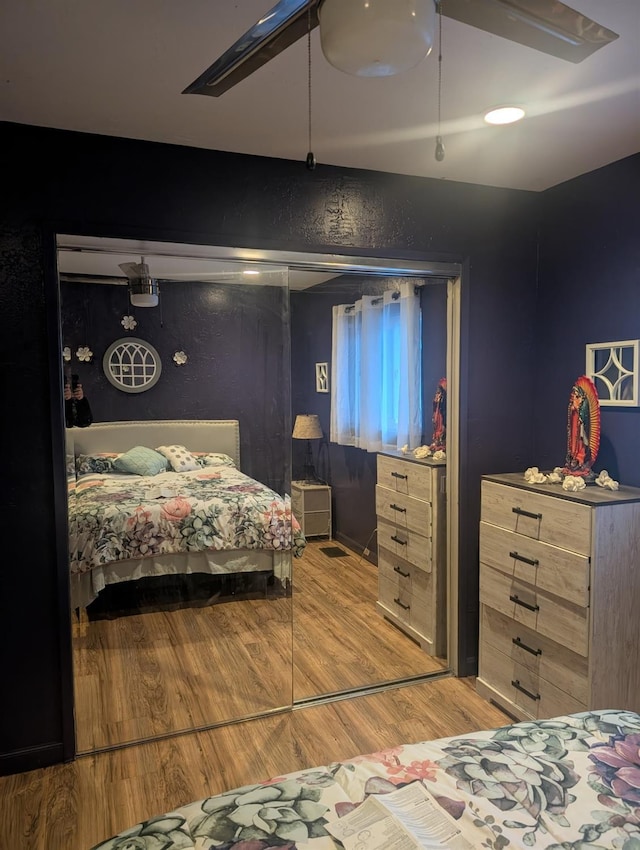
{"x": 550, "y": 519}
{"x": 401, "y": 574}
{"x": 403, "y": 511}
{"x": 562, "y": 622}
{"x": 408, "y": 598}
{"x": 523, "y": 687}
{"x": 404, "y": 476}
{"x": 558, "y": 571}
{"x": 546, "y": 658}
{"x": 406, "y": 544}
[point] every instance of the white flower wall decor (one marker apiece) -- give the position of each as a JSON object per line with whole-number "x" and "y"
{"x": 180, "y": 358}
{"x": 84, "y": 354}
{"x": 66, "y": 354}
{"x": 128, "y": 323}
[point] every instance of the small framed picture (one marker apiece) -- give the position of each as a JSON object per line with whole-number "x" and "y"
{"x": 613, "y": 367}
{"x": 322, "y": 377}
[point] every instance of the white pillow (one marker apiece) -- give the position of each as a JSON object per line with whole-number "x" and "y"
{"x": 180, "y": 459}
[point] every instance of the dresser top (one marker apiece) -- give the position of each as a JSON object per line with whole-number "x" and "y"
{"x": 425, "y": 461}
{"x": 591, "y": 495}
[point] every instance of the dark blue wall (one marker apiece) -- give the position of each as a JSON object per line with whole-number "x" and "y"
{"x": 76, "y": 183}
{"x": 236, "y": 338}
{"x": 589, "y": 292}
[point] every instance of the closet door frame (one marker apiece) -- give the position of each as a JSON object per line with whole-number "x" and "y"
{"x": 421, "y": 268}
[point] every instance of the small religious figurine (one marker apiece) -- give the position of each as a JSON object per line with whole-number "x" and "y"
{"x": 439, "y": 417}
{"x": 583, "y": 429}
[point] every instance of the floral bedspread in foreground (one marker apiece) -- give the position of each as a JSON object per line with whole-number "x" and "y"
{"x": 118, "y": 517}
{"x": 570, "y": 783}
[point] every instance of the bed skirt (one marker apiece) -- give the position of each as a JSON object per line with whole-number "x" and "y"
{"x": 85, "y": 587}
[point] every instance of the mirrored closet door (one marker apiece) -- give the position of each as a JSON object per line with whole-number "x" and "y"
{"x": 180, "y": 541}
{"x": 192, "y": 609}
{"x": 373, "y": 600}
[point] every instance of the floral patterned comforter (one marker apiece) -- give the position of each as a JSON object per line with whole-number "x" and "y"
{"x": 117, "y": 517}
{"x": 569, "y": 783}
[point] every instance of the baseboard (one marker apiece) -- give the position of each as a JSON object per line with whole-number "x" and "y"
{"x": 20, "y": 761}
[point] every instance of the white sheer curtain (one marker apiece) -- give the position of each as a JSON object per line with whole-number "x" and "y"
{"x": 376, "y": 368}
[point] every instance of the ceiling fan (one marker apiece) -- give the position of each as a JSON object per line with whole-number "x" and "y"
{"x": 143, "y": 289}
{"x": 355, "y": 34}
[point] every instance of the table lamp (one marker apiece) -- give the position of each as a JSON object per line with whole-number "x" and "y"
{"x": 307, "y": 427}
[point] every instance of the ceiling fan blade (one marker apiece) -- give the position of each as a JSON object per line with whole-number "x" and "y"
{"x": 548, "y": 26}
{"x": 132, "y": 270}
{"x": 545, "y": 25}
{"x": 284, "y": 24}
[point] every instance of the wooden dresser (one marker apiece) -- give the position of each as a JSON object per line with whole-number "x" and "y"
{"x": 559, "y": 597}
{"x": 411, "y": 523}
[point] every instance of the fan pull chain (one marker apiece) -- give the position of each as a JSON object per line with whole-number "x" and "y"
{"x": 311, "y": 160}
{"x": 439, "y": 143}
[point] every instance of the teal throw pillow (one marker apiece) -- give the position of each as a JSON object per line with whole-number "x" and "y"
{"x": 141, "y": 461}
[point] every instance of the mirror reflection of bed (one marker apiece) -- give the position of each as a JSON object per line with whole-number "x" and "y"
{"x": 185, "y": 641}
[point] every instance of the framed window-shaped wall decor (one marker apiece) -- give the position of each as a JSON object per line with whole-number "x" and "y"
{"x": 613, "y": 368}
{"x": 132, "y": 365}
{"x": 322, "y": 377}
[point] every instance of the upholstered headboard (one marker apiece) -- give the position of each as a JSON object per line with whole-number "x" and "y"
{"x": 205, "y": 435}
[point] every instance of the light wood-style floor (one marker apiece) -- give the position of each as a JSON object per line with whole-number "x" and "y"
{"x": 75, "y": 806}
{"x": 144, "y": 675}
{"x": 133, "y": 672}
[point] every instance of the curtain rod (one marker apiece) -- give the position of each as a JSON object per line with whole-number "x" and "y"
{"x": 395, "y": 295}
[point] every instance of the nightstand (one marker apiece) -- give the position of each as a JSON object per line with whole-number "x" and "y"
{"x": 311, "y": 506}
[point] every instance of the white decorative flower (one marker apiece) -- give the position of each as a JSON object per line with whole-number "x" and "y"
{"x": 534, "y": 476}
{"x": 84, "y": 354}
{"x": 180, "y": 358}
{"x": 573, "y": 483}
{"x": 605, "y": 480}
{"x": 66, "y": 354}
{"x": 440, "y": 454}
{"x": 128, "y": 323}
{"x": 422, "y": 451}
{"x": 405, "y": 449}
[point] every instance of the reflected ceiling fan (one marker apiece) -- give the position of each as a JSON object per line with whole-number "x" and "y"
{"x": 143, "y": 289}
{"x": 385, "y": 37}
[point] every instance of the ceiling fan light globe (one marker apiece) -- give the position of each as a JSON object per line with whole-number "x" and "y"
{"x": 144, "y": 293}
{"x": 376, "y": 38}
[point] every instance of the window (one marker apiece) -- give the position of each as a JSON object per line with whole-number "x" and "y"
{"x": 376, "y": 401}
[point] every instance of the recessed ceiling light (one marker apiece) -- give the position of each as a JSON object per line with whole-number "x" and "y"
{"x": 504, "y": 115}
{"x": 250, "y": 271}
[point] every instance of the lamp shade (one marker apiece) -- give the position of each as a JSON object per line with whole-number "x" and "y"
{"x": 376, "y": 38}
{"x": 307, "y": 427}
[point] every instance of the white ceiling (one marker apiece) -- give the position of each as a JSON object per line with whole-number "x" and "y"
{"x": 118, "y": 67}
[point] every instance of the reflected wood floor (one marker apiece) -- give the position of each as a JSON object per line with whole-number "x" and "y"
{"x": 334, "y": 607}
{"x": 77, "y": 805}
{"x": 150, "y": 674}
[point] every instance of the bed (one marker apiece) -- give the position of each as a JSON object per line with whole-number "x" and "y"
{"x": 132, "y": 518}
{"x": 568, "y": 783}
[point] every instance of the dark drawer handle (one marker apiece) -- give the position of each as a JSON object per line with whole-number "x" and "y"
{"x": 533, "y": 561}
{"x": 516, "y": 684}
{"x": 399, "y": 571}
{"x": 519, "y": 601}
{"x": 521, "y": 512}
{"x": 398, "y": 508}
{"x": 518, "y": 642}
{"x": 406, "y": 607}
{"x": 397, "y": 540}
{"x": 398, "y": 475}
